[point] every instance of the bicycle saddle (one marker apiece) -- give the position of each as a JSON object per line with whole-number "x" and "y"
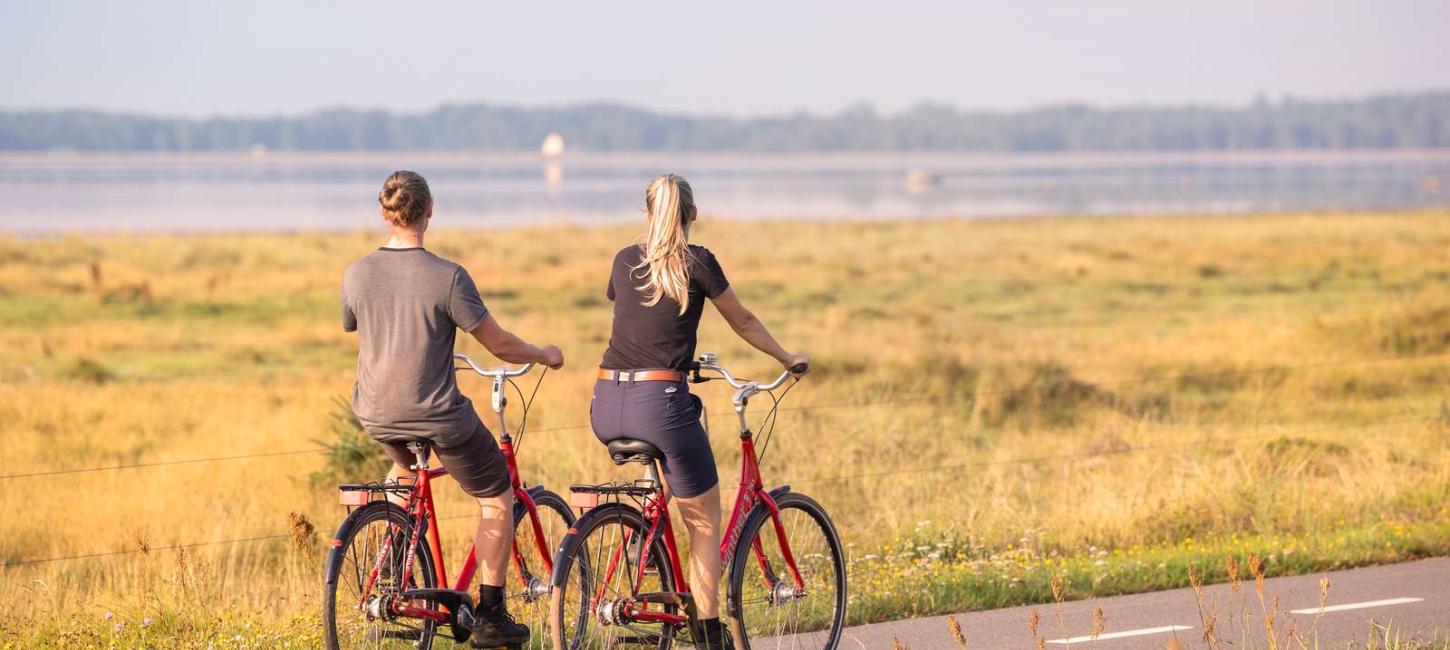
{"x": 629, "y": 450}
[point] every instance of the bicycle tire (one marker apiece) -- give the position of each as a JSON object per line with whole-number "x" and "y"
{"x": 345, "y": 552}
{"x": 816, "y": 546}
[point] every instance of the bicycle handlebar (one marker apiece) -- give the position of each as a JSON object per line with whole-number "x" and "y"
{"x": 704, "y": 364}
{"x": 497, "y": 373}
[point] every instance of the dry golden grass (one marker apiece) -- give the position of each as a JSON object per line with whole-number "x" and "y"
{"x": 1288, "y": 370}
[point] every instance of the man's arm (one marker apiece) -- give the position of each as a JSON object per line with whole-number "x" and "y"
{"x": 510, "y": 348}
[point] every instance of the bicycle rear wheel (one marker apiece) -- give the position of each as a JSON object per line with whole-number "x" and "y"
{"x": 765, "y": 607}
{"x": 595, "y": 570}
{"x": 351, "y": 619}
{"x": 527, "y": 586}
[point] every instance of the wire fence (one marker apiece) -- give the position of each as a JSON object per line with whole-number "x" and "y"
{"x": 902, "y": 399}
{"x": 1060, "y": 458}
{"x": 968, "y": 396}
{"x": 1076, "y": 457}
{"x": 172, "y": 547}
{"x": 149, "y": 549}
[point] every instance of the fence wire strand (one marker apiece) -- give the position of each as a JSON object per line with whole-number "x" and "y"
{"x": 1117, "y": 452}
{"x": 1063, "y": 458}
{"x": 147, "y": 551}
{"x": 807, "y": 408}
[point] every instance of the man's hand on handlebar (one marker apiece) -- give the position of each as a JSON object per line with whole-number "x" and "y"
{"x": 799, "y": 364}
{"x": 551, "y": 356}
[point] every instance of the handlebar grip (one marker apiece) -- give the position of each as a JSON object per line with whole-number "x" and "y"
{"x": 800, "y": 368}
{"x": 693, "y": 369}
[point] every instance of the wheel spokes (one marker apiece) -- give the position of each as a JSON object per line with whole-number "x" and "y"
{"x": 528, "y": 581}
{"x": 602, "y": 578}
{"x": 359, "y": 613}
{"x": 776, "y": 610}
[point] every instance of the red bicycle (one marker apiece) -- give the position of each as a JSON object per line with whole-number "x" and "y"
{"x": 381, "y": 585}
{"x": 787, "y": 580}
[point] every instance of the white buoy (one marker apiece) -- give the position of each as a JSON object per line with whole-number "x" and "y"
{"x": 552, "y": 146}
{"x": 920, "y": 180}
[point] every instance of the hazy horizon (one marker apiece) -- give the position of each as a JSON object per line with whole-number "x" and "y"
{"x": 191, "y": 60}
{"x": 1269, "y": 98}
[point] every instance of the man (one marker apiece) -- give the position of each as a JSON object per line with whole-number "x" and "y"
{"x": 407, "y": 304}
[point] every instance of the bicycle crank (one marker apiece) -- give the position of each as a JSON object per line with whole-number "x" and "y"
{"x": 459, "y": 603}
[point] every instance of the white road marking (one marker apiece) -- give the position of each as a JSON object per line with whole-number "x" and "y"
{"x": 1364, "y": 605}
{"x": 1119, "y": 635}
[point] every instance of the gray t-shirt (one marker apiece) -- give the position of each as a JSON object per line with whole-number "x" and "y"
{"x": 407, "y": 305}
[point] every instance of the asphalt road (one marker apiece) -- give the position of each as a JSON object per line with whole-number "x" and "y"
{"x": 1413, "y": 598}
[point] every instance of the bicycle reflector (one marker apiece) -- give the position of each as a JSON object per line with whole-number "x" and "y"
{"x": 583, "y": 500}
{"x": 354, "y": 497}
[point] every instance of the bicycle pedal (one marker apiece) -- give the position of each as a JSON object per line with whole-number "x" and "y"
{"x": 460, "y": 603}
{"x": 450, "y": 598}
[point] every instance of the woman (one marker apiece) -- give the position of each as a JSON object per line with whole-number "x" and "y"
{"x": 407, "y": 304}
{"x": 659, "y": 288}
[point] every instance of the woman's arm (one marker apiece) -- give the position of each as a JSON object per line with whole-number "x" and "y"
{"x": 745, "y": 323}
{"x": 511, "y": 349}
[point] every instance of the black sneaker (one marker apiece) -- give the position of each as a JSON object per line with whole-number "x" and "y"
{"x": 494, "y": 628}
{"x": 709, "y": 635}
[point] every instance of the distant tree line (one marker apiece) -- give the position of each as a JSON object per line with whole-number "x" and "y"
{"x": 1385, "y": 121}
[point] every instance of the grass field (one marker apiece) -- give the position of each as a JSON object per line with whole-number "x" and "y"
{"x": 995, "y": 404}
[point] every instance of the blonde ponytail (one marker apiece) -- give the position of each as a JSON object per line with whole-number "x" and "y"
{"x": 665, "y": 252}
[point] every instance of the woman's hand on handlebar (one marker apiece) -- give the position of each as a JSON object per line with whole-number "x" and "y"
{"x": 798, "y": 364}
{"x": 551, "y": 356}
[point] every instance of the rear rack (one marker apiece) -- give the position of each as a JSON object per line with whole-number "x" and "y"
{"x": 360, "y": 494}
{"x": 584, "y": 496}
{"x": 634, "y": 489}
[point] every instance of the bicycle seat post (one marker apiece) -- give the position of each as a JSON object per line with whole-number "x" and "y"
{"x": 418, "y": 452}
{"x": 652, "y": 473}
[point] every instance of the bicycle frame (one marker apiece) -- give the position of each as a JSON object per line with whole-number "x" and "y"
{"x": 421, "y": 510}
{"x": 656, "y": 512}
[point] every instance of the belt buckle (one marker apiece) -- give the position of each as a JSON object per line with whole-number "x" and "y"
{"x": 621, "y": 375}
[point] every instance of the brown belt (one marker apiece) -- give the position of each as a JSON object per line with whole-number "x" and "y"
{"x": 641, "y": 375}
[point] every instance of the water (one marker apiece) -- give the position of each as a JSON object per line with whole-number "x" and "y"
{"x": 52, "y": 193}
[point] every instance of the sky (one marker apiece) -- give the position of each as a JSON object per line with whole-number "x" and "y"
{"x": 181, "y": 57}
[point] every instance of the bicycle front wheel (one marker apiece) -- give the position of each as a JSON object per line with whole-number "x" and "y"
{"x": 527, "y": 591}
{"x": 765, "y": 604}
{"x": 364, "y": 576}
